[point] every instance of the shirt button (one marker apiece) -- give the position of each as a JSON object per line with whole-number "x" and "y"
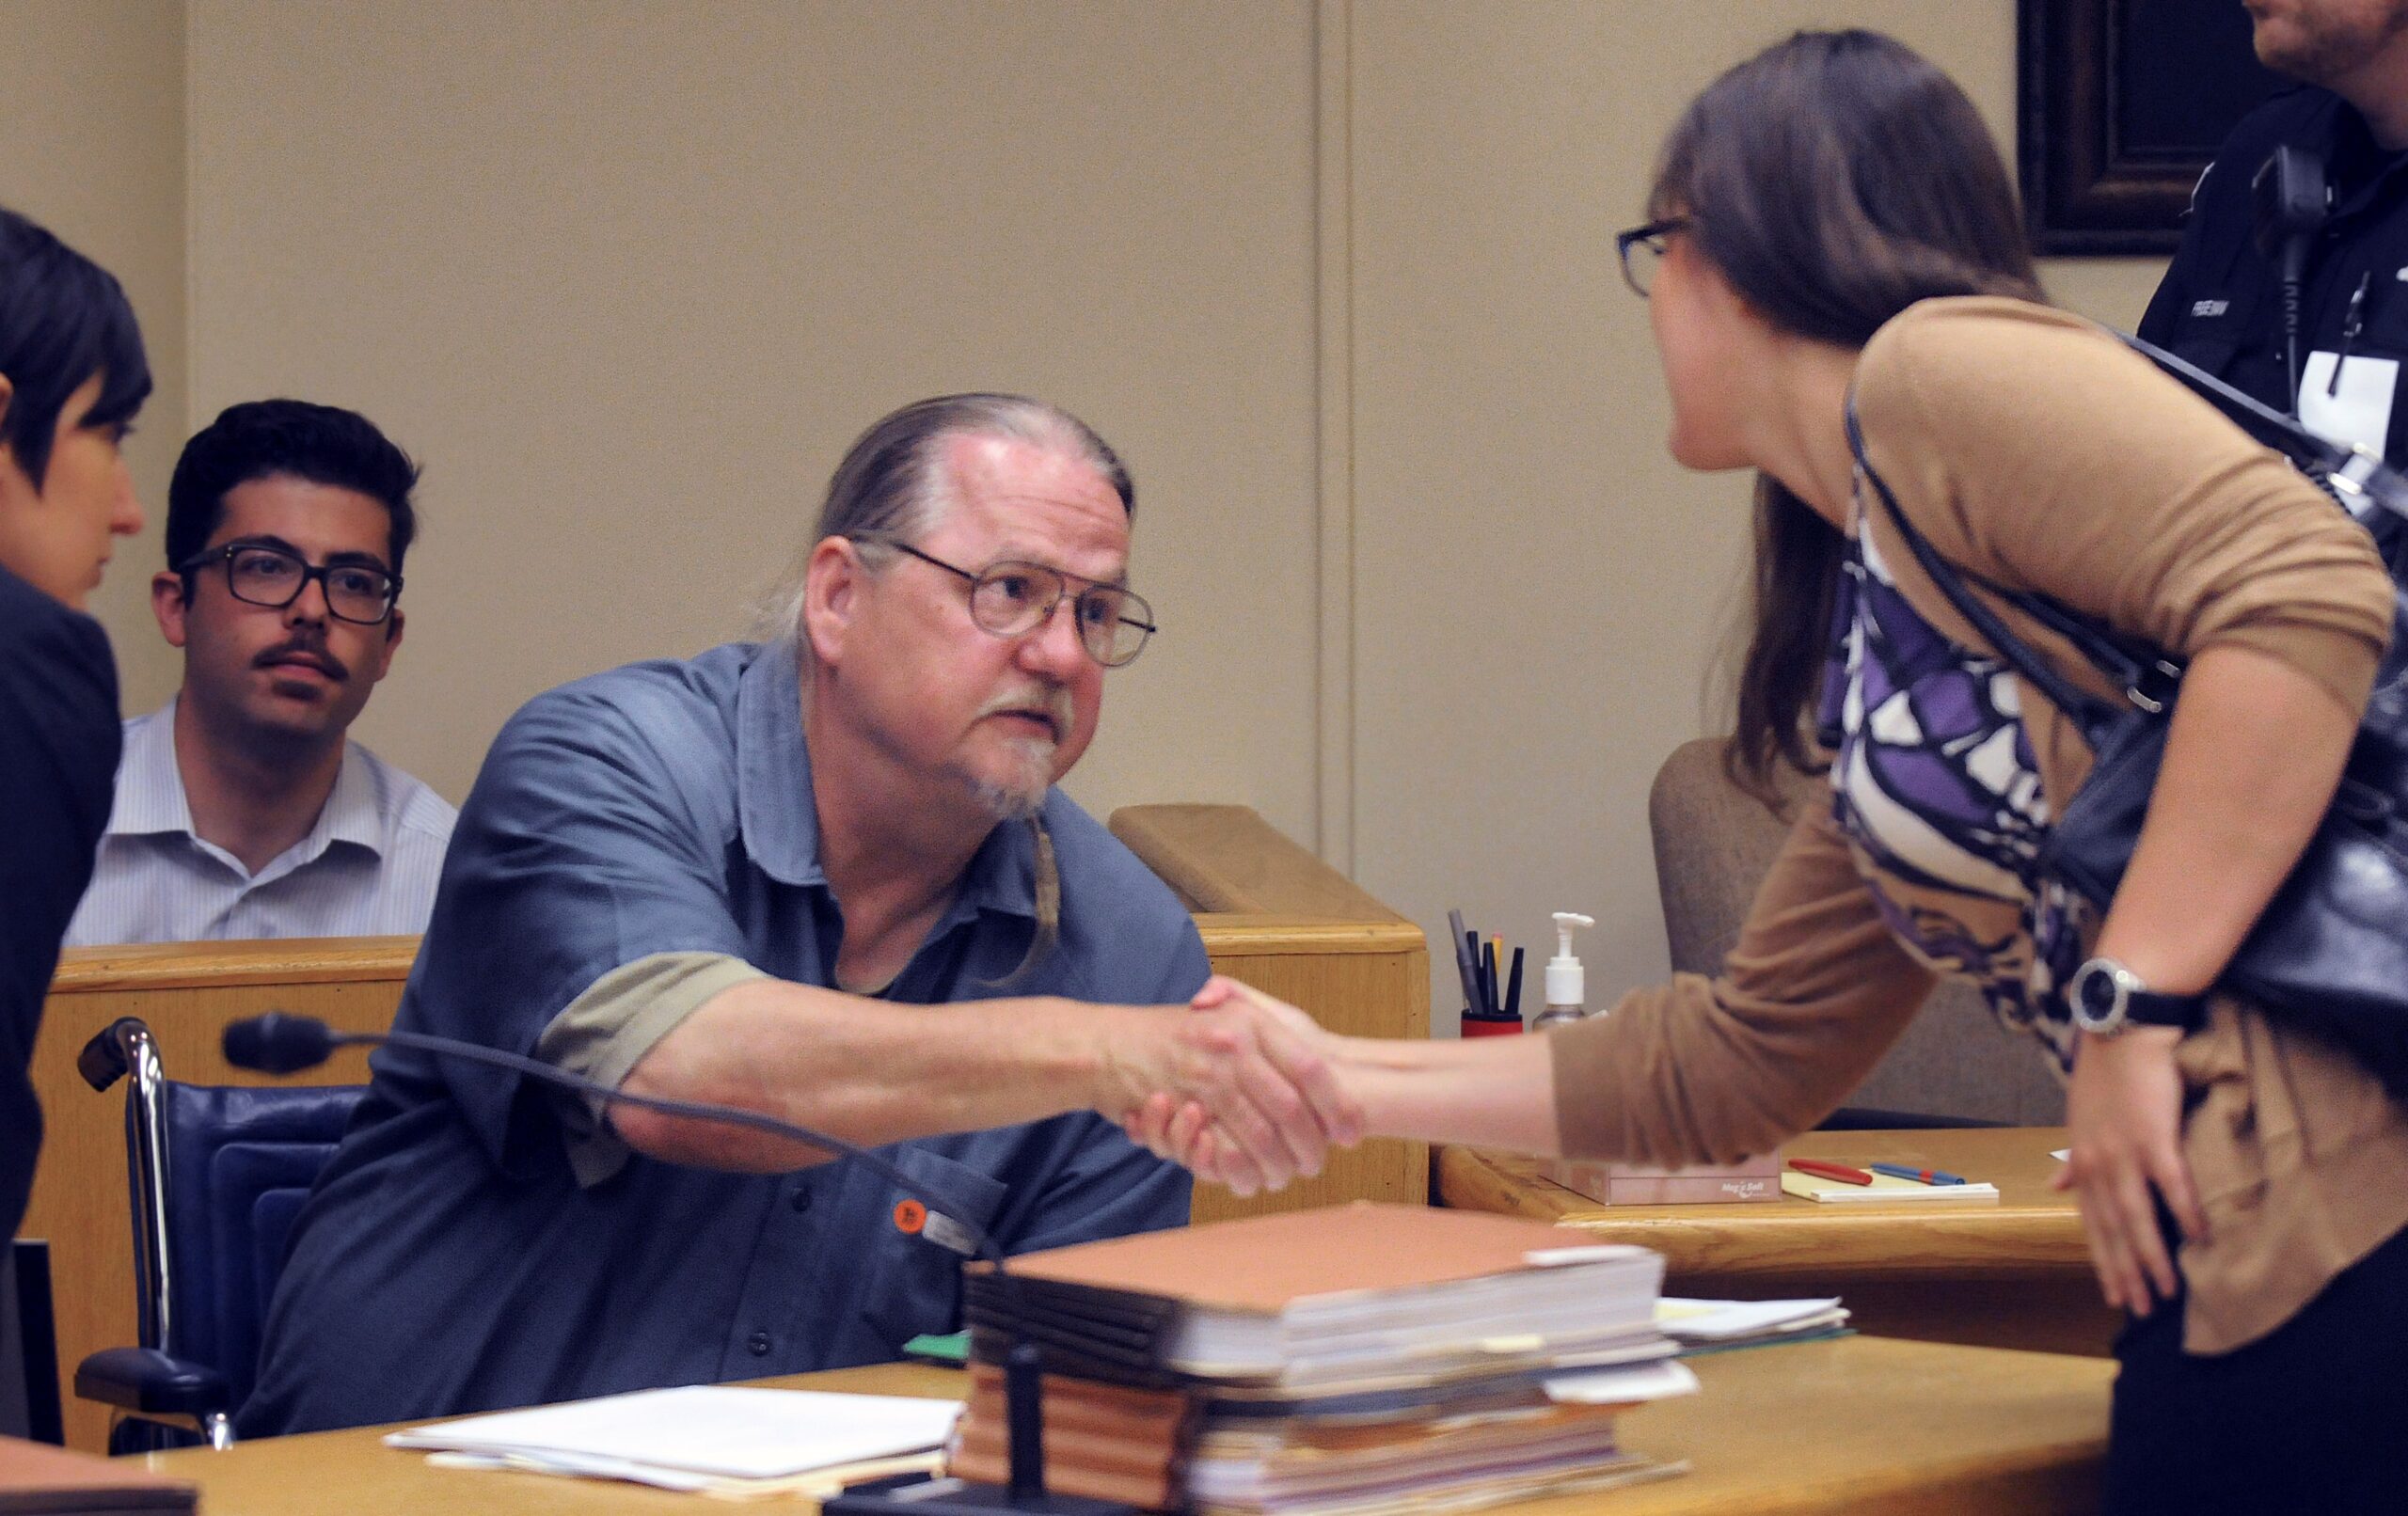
{"x": 759, "y": 1343}
{"x": 802, "y": 1201}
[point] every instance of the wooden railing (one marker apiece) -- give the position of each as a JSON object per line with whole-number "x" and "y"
{"x": 1270, "y": 914}
{"x": 1276, "y": 917}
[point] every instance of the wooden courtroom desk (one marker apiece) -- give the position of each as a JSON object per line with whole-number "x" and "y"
{"x": 2012, "y": 1274}
{"x": 1854, "y": 1425}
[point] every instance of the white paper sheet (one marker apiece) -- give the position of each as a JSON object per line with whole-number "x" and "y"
{"x": 1696, "y": 1321}
{"x": 1658, "y": 1381}
{"x": 704, "y": 1428}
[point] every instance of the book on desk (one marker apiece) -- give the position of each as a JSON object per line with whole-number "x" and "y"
{"x": 1325, "y": 1361}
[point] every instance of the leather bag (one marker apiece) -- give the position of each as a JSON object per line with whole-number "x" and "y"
{"x": 2331, "y": 951}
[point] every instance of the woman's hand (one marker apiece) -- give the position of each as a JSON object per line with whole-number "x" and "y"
{"x": 2252, "y": 758}
{"x": 2123, "y": 1106}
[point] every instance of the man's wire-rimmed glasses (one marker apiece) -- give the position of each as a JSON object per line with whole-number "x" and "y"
{"x": 260, "y": 574}
{"x": 1012, "y": 599}
{"x": 1642, "y": 248}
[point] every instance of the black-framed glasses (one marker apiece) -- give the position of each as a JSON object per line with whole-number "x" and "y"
{"x": 1012, "y": 599}
{"x": 1641, "y": 248}
{"x": 260, "y": 574}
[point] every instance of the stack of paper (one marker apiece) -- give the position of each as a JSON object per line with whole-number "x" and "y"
{"x": 1331, "y": 1363}
{"x": 1884, "y": 1189}
{"x": 704, "y": 1437}
{"x": 1706, "y": 1326}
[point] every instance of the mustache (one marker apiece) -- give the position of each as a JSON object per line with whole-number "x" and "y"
{"x": 1054, "y": 703}
{"x": 310, "y": 650}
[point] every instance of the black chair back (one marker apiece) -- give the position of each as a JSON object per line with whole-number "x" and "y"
{"x": 217, "y": 1176}
{"x": 240, "y": 1162}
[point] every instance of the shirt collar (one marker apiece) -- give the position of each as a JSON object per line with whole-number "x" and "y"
{"x": 780, "y": 815}
{"x": 149, "y": 786}
{"x": 774, "y": 795}
{"x": 151, "y": 793}
{"x": 350, "y": 813}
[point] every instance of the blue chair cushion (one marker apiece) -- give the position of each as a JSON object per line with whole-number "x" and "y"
{"x": 241, "y": 1161}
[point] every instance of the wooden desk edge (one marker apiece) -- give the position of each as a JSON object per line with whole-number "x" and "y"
{"x": 2005, "y": 1241}
{"x": 223, "y": 965}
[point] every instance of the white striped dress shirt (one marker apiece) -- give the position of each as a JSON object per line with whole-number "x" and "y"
{"x": 368, "y": 868}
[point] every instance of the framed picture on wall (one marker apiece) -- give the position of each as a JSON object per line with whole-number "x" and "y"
{"x": 2120, "y": 103}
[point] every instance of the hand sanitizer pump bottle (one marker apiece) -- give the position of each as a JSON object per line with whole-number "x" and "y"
{"x": 1566, "y": 984}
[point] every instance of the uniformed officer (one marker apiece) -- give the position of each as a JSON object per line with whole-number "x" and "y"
{"x": 2222, "y": 303}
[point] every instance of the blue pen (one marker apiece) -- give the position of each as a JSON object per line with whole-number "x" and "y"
{"x": 1900, "y": 1171}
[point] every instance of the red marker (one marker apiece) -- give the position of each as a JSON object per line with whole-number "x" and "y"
{"x": 1821, "y": 1170}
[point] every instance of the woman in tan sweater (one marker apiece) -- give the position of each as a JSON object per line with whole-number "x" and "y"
{"x": 1831, "y": 220}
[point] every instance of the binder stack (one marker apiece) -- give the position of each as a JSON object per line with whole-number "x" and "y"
{"x": 1352, "y": 1361}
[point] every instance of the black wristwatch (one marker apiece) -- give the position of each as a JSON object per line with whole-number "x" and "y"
{"x": 2106, "y": 997}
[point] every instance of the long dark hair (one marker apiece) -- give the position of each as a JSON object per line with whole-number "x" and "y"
{"x": 1833, "y": 179}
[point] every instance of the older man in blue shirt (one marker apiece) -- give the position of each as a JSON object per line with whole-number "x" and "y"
{"x": 824, "y": 877}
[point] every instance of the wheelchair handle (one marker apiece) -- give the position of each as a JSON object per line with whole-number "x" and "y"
{"x": 109, "y": 1055}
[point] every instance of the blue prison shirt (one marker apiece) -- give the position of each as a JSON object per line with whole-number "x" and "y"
{"x": 449, "y": 1261}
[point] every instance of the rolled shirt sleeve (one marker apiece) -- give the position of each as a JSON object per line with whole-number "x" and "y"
{"x": 585, "y": 848}
{"x": 603, "y": 1034}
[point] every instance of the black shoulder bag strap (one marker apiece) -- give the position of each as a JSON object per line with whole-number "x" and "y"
{"x": 2147, "y": 681}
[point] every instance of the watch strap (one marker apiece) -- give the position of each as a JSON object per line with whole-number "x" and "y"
{"x": 2146, "y": 1007}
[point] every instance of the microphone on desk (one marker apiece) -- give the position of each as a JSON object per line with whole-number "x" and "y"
{"x": 279, "y": 1043}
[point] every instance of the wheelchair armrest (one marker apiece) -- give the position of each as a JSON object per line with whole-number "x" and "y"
{"x": 150, "y": 1382}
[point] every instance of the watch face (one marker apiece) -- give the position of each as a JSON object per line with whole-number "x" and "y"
{"x": 2097, "y": 998}
{"x": 2096, "y": 993}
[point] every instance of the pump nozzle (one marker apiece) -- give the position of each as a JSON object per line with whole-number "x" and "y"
{"x": 1566, "y": 985}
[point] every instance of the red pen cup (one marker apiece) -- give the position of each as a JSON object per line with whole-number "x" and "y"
{"x": 1481, "y": 1026}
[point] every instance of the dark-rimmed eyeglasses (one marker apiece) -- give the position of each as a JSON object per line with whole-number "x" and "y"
{"x": 258, "y": 574}
{"x": 1641, "y": 248}
{"x": 1012, "y": 599}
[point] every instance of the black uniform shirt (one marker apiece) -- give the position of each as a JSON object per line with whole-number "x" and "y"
{"x": 2221, "y": 304}
{"x": 58, "y": 750}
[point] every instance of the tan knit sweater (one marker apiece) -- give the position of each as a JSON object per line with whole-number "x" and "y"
{"x": 2036, "y": 452}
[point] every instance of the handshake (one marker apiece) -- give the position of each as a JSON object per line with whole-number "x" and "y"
{"x": 1244, "y": 1090}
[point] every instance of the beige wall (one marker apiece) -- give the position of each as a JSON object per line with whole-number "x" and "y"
{"x": 1336, "y": 277}
{"x": 628, "y": 282}
{"x": 92, "y": 147}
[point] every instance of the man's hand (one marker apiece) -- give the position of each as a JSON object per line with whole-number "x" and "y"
{"x": 1242, "y": 1091}
{"x": 2124, "y": 1107}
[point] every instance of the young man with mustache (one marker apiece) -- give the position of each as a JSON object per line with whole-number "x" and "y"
{"x": 243, "y": 811}
{"x": 826, "y": 876}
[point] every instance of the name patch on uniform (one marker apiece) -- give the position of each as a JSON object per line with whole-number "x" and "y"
{"x": 2355, "y": 410}
{"x": 2209, "y": 308}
